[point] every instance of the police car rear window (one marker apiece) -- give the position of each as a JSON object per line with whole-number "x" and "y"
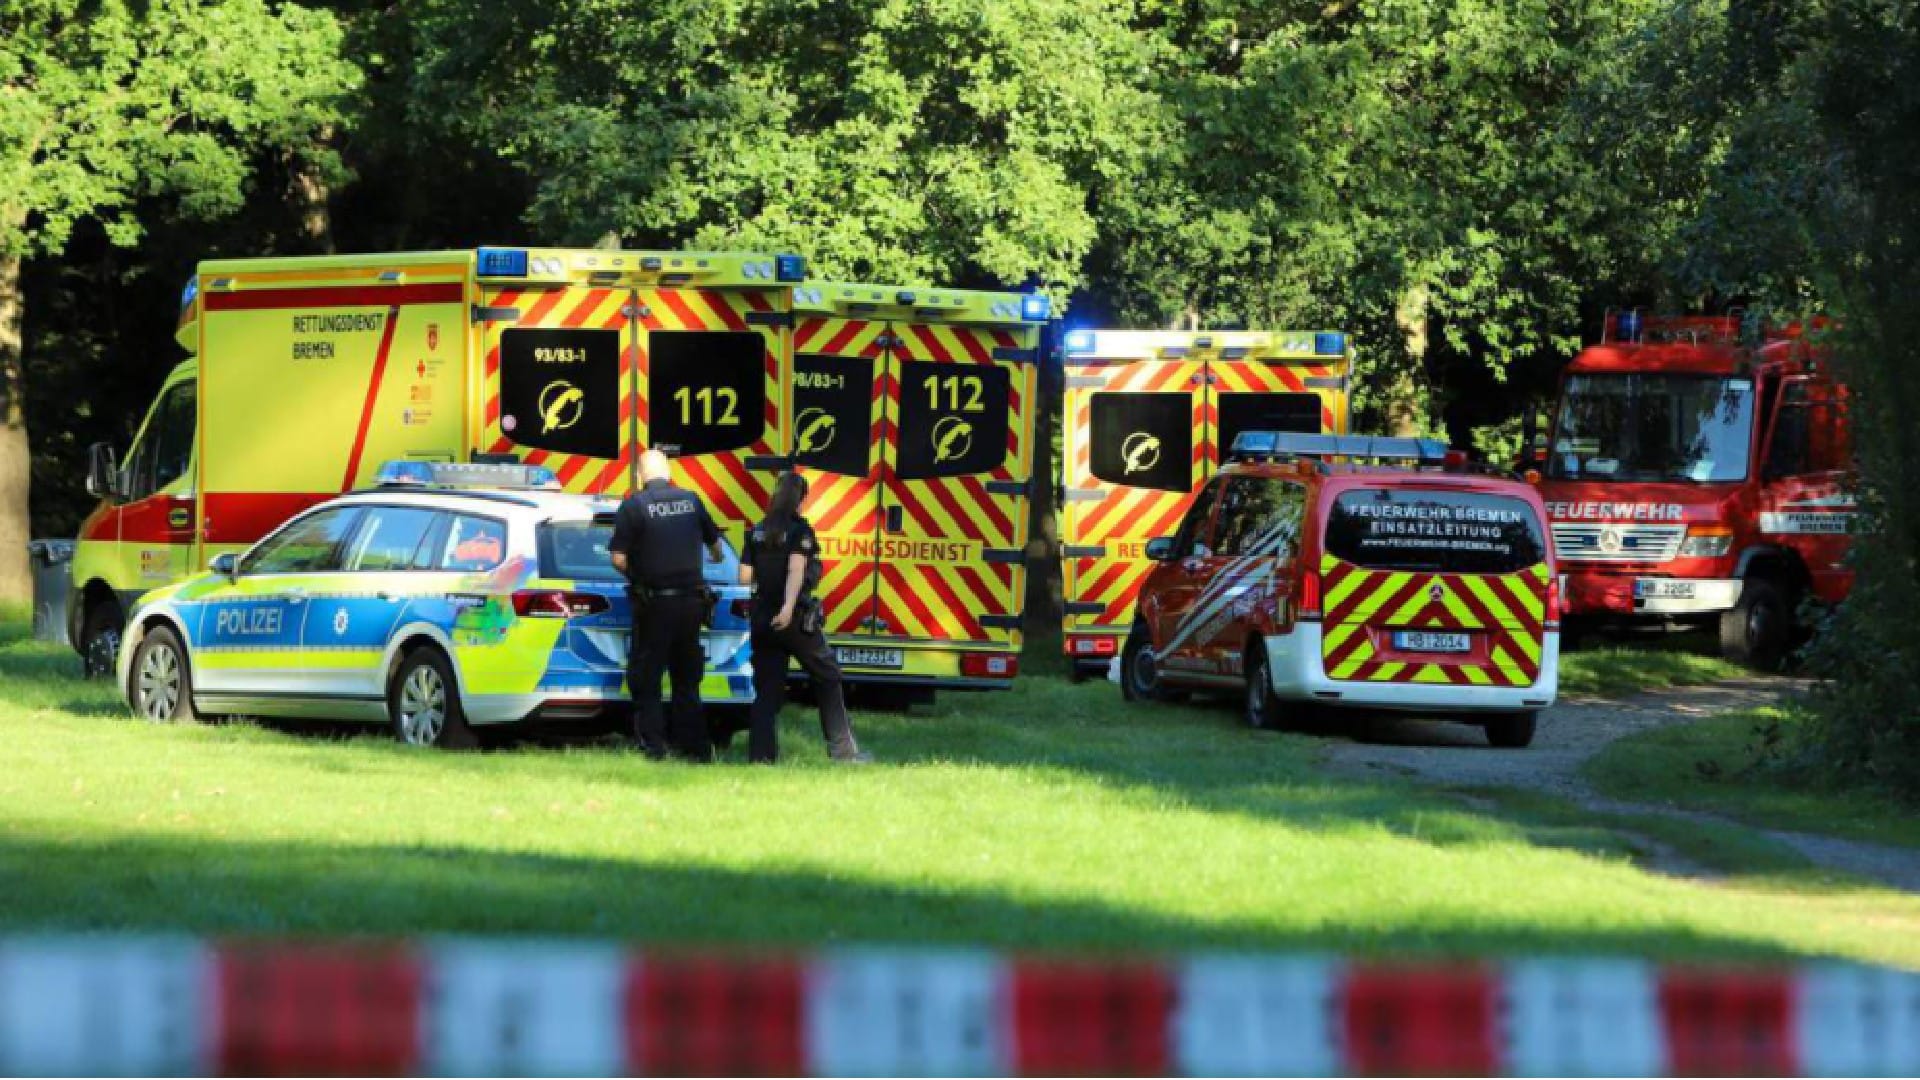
{"x": 1455, "y": 532}
{"x": 577, "y": 550}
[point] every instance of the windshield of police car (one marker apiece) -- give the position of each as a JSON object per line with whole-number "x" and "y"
{"x": 1693, "y": 428}
{"x": 578, "y": 550}
{"x": 1451, "y": 532}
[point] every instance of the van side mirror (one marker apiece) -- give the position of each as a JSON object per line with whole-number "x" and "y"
{"x": 103, "y": 472}
{"x": 1160, "y": 549}
{"x": 226, "y": 564}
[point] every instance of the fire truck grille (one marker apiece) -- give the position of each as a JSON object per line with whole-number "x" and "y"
{"x": 1617, "y": 543}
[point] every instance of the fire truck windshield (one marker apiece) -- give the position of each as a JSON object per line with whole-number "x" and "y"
{"x": 1696, "y": 428}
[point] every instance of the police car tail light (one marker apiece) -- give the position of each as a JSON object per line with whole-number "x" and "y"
{"x": 741, "y": 609}
{"x": 989, "y": 665}
{"x": 556, "y": 604}
{"x": 1306, "y": 602}
{"x": 1706, "y": 541}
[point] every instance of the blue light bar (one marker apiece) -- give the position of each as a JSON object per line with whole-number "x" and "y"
{"x": 1036, "y": 307}
{"x": 503, "y": 262}
{"x": 789, "y": 268}
{"x": 188, "y": 294}
{"x": 1329, "y": 344}
{"x": 451, "y": 474}
{"x": 1291, "y": 444}
{"x": 1629, "y": 324}
{"x": 1078, "y": 341}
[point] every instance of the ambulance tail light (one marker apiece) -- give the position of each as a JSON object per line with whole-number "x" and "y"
{"x": 1306, "y": 602}
{"x": 1552, "y": 613}
{"x": 1095, "y": 646}
{"x": 989, "y": 665}
{"x": 1706, "y": 542}
{"x": 741, "y": 609}
{"x": 557, "y": 604}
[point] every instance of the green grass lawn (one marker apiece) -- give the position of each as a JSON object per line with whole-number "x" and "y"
{"x": 1051, "y": 817}
{"x": 1614, "y": 671}
{"x": 1717, "y": 764}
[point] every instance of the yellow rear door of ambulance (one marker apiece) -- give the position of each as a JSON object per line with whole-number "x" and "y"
{"x": 1275, "y": 382}
{"x": 838, "y": 432}
{"x": 315, "y": 372}
{"x": 1134, "y": 446}
{"x": 957, "y": 403}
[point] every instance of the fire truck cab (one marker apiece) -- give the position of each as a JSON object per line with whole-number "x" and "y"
{"x": 1698, "y": 475}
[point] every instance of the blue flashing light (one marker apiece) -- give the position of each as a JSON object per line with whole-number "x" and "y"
{"x": 1329, "y": 344}
{"x": 503, "y": 262}
{"x": 1629, "y": 325}
{"x": 1036, "y": 307}
{"x": 1079, "y": 341}
{"x": 789, "y": 268}
{"x": 190, "y": 293}
{"x": 404, "y": 473}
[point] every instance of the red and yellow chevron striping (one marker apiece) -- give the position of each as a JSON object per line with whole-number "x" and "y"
{"x": 1363, "y": 607}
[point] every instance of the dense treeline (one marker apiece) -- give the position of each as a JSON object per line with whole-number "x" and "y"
{"x": 1463, "y": 184}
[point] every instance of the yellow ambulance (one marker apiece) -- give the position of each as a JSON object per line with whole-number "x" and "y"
{"x": 1147, "y": 415}
{"x": 914, "y": 413}
{"x": 307, "y": 374}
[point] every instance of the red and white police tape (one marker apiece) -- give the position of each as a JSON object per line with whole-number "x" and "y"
{"x": 139, "y": 1005}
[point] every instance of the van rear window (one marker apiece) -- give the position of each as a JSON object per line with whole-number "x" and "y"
{"x": 1453, "y": 532}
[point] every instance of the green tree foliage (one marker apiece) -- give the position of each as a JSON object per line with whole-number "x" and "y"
{"x": 106, "y": 104}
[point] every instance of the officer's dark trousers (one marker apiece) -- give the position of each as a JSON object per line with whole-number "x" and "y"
{"x": 666, "y": 638}
{"x": 771, "y": 651}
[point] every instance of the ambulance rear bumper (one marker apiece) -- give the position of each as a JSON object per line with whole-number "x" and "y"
{"x": 1298, "y": 675}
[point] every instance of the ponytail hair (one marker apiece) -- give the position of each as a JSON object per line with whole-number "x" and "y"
{"x": 784, "y": 507}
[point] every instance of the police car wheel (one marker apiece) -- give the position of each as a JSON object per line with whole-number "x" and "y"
{"x": 1512, "y": 732}
{"x": 425, "y": 705}
{"x": 160, "y": 687}
{"x": 100, "y": 641}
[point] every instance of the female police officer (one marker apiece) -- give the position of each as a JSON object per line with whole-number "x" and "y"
{"x": 782, "y": 562}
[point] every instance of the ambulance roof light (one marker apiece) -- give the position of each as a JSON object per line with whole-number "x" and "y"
{"x": 790, "y": 268}
{"x": 1281, "y": 445}
{"x": 449, "y": 474}
{"x": 190, "y": 293}
{"x": 503, "y": 262}
{"x": 1079, "y": 341}
{"x": 1329, "y": 344}
{"x": 1036, "y": 307}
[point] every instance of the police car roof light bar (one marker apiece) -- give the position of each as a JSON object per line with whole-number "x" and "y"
{"x": 1283, "y": 445}
{"x": 450, "y": 474}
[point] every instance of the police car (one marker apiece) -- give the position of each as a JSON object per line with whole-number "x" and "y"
{"x": 448, "y": 597}
{"x": 1303, "y": 577}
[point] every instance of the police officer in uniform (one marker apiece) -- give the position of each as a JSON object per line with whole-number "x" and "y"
{"x": 782, "y": 563}
{"x": 657, "y": 536}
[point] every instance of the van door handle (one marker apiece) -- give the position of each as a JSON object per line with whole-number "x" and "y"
{"x": 896, "y": 518}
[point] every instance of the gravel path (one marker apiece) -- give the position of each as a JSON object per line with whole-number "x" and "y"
{"x": 1575, "y": 730}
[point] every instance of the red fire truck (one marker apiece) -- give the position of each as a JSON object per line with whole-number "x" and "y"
{"x": 1699, "y": 474}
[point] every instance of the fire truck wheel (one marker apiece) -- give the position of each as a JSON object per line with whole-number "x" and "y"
{"x": 160, "y": 685}
{"x": 100, "y": 640}
{"x": 1265, "y": 711}
{"x": 1512, "y": 732}
{"x": 1139, "y": 675}
{"x": 423, "y": 701}
{"x": 1758, "y": 630}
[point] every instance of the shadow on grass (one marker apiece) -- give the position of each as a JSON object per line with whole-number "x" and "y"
{"x": 234, "y": 888}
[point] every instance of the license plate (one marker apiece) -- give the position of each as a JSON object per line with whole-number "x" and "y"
{"x": 1430, "y": 641}
{"x": 871, "y": 658}
{"x": 1662, "y": 589}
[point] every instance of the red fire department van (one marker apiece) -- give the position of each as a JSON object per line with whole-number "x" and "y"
{"x": 1301, "y": 577}
{"x": 1696, "y": 474}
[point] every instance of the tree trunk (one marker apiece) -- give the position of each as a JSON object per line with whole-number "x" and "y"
{"x": 310, "y": 192}
{"x": 16, "y": 523}
{"x": 1045, "y": 597}
{"x": 1403, "y": 391}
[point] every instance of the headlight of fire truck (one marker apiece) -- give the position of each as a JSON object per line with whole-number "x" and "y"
{"x": 1706, "y": 542}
